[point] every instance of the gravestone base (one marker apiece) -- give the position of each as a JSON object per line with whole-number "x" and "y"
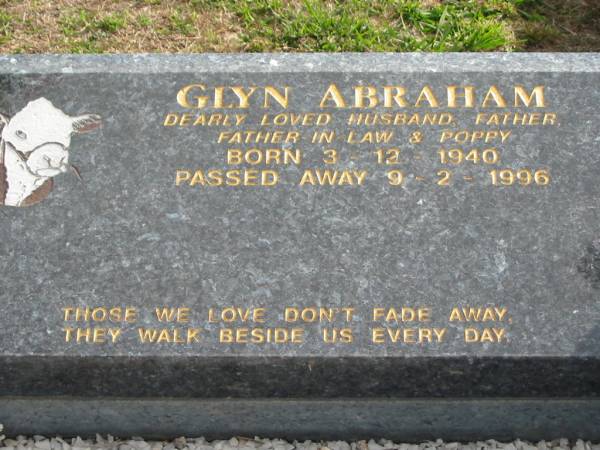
{"x": 301, "y": 245}
{"x": 411, "y": 420}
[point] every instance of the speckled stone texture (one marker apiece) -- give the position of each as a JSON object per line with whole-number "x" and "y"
{"x": 109, "y": 442}
{"x": 127, "y": 236}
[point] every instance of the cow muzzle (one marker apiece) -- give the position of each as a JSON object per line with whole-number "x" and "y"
{"x": 48, "y": 160}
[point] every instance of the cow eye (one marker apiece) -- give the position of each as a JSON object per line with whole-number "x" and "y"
{"x": 21, "y": 134}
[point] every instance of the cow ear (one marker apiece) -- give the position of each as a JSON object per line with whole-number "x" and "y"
{"x": 85, "y": 123}
{"x": 3, "y": 120}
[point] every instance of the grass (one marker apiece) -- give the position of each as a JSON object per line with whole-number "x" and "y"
{"x": 562, "y": 25}
{"x": 83, "y": 31}
{"x": 5, "y": 27}
{"x": 182, "y": 22}
{"x": 86, "y": 26}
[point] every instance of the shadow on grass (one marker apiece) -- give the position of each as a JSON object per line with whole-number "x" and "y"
{"x": 560, "y": 25}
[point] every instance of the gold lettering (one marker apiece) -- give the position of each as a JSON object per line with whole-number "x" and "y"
{"x": 184, "y": 100}
{"x": 395, "y": 93}
{"x": 468, "y": 94}
{"x": 537, "y": 93}
{"x": 333, "y": 94}
{"x": 494, "y": 94}
{"x": 166, "y": 314}
{"x": 242, "y": 95}
{"x": 362, "y": 93}
{"x": 272, "y": 92}
{"x": 382, "y": 335}
{"x": 261, "y": 335}
{"x": 427, "y": 94}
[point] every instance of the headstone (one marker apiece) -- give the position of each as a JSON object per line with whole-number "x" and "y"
{"x": 398, "y": 245}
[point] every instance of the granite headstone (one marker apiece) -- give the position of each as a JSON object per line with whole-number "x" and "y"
{"x": 399, "y": 245}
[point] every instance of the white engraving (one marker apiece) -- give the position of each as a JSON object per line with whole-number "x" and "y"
{"x": 34, "y": 147}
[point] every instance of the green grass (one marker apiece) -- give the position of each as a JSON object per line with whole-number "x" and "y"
{"x": 144, "y": 21}
{"x": 111, "y": 23}
{"x": 378, "y": 25}
{"x": 85, "y": 21}
{"x": 83, "y": 29}
{"x": 182, "y": 22}
{"x": 86, "y": 26}
{"x": 6, "y": 21}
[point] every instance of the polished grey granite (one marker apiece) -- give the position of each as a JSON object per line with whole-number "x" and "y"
{"x": 303, "y": 62}
{"x": 516, "y": 237}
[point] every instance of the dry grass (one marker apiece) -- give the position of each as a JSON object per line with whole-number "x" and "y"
{"x": 80, "y": 26}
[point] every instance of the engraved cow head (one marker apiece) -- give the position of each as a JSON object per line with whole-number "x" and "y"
{"x": 35, "y": 147}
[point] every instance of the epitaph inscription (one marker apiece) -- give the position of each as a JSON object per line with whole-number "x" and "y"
{"x": 358, "y": 213}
